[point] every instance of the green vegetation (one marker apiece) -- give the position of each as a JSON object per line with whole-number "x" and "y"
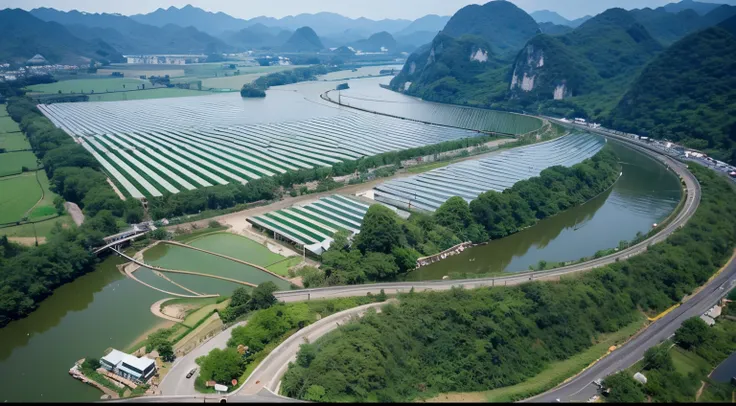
{"x": 19, "y": 194}
{"x": 89, "y": 86}
{"x": 675, "y": 371}
{"x": 7, "y": 125}
{"x": 41, "y": 229}
{"x": 250, "y": 90}
{"x": 388, "y": 246}
{"x": 13, "y": 142}
{"x": 462, "y": 341}
{"x": 556, "y": 372}
{"x": 17, "y": 162}
{"x": 687, "y": 95}
{"x": 282, "y": 267}
{"x": 158, "y": 93}
{"x": 291, "y": 76}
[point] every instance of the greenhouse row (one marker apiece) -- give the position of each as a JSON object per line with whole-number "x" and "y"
{"x": 500, "y": 171}
{"x": 154, "y": 159}
{"x": 313, "y": 225}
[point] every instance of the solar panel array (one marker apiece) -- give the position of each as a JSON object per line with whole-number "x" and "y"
{"x": 468, "y": 179}
{"x": 314, "y": 222}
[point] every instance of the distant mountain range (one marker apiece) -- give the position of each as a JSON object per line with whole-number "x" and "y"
{"x": 24, "y": 36}
{"x": 324, "y": 24}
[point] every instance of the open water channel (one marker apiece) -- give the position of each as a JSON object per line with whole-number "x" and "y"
{"x": 105, "y": 309}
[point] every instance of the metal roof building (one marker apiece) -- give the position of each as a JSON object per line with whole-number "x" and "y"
{"x": 128, "y": 366}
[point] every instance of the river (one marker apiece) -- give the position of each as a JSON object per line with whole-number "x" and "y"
{"x": 645, "y": 194}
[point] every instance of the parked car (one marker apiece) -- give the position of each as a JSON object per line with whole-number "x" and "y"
{"x": 189, "y": 375}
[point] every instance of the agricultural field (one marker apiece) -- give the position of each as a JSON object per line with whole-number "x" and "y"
{"x": 17, "y": 195}
{"x": 89, "y": 85}
{"x": 13, "y": 162}
{"x": 159, "y": 93}
{"x": 247, "y": 75}
{"x": 42, "y": 229}
{"x": 21, "y": 195}
{"x": 136, "y": 71}
{"x": 7, "y": 125}
{"x": 315, "y": 222}
{"x": 468, "y": 179}
{"x": 188, "y": 143}
{"x": 14, "y": 142}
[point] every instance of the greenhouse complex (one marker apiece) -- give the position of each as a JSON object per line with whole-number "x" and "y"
{"x": 497, "y": 172}
{"x": 154, "y": 148}
{"x": 313, "y": 225}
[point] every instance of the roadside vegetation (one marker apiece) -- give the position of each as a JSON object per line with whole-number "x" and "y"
{"x": 477, "y": 340}
{"x": 269, "y": 324}
{"x": 678, "y": 371}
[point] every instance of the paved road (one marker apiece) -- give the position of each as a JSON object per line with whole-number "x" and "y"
{"x": 75, "y": 212}
{"x": 581, "y": 387}
{"x": 175, "y": 382}
{"x": 269, "y": 372}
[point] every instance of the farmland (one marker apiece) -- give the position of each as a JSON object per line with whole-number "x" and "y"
{"x": 159, "y": 93}
{"x": 13, "y": 162}
{"x": 19, "y": 194}
{"x": 89, "y": 85}
{"x": 7, "y": 125}
{"x": 187, "y": 143}
{"x": 14, "y": 142}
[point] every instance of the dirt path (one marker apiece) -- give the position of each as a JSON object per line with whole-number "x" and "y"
{"x": 156, "y": 310}
{"x": 115, "y": 188}
{"x": 75, "y": 212}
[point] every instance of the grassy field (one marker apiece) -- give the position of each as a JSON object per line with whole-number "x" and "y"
{"x": 12, "y": 162}
{"x": 427, "y": 167}
{"x": 7, "y": 125}
{"x": 686, "y": 361}
{"x": 282, "y": 267}
{"x": 555, "y": 374}
{"x": 161, "y": 93}
{"x": 17, "y": 195}
{"x": 3, "y": 110}
{"x": 196, "y": 316}
{"x": 88, "y": 85}
{"x": 136, "y": 71}
{"x": 14, "y": 142}
{"x": 247, "y": 75}
{"x": 41, "y": 229}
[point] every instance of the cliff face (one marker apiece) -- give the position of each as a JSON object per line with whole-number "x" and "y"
{"x": 461, "y": 59}
{"x": 547, "y": 69}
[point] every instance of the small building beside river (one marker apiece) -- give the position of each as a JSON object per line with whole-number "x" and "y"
{"x": 127, "y": 366}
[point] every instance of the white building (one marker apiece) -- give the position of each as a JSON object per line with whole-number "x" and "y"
{"x": 128, "y": 366}
{"x": 714, "y": 312}
{"x": 164, "y": 59}
{"x": 708, "y": 320}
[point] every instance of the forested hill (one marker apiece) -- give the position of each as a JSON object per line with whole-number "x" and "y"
{"x": 600, "y": 57}
{"x": 24, "y": 36}
{"x": 688, "y": 94}
{"x": 506, "y": 27}
{"x": 303, "y": 39}
{"x": 468, "y": 61}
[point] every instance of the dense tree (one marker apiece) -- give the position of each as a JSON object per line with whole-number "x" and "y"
{"x": 624, "y": 389}
{"x": 380, "y": 231}
{"x": 693, "y": 333}
{"x": 221, "y": 366}
{"x": 166, "y": 352}
{"x": 262, "y": 296}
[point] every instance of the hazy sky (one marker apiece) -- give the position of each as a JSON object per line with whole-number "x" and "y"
{"x": 374, "y": 9}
